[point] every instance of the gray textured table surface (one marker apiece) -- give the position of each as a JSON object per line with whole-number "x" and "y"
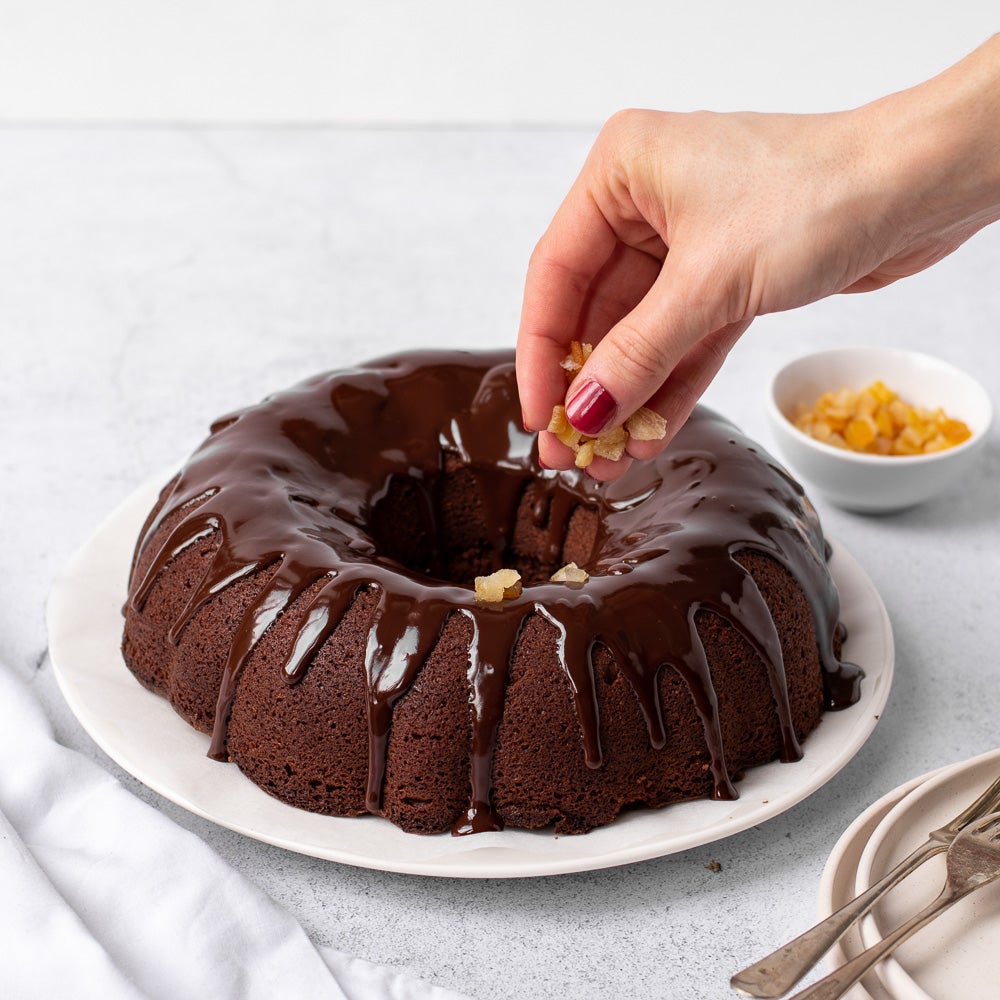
{"x": 152, "y": 280}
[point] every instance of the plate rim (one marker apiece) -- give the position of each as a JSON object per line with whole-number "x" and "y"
{"x": 886, "y": 837}
{"x": 88, "y": 667}
{"x": 834, "y": 891}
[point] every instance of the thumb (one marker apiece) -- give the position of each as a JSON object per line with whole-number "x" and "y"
{"x": 636, "y": 357}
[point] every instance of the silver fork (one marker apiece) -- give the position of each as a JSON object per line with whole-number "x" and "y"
{"x": 774, "y": 975}
{"x": 973, "y": 860}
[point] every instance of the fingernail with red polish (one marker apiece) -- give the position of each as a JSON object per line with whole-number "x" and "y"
{"x": 591, "y": 408}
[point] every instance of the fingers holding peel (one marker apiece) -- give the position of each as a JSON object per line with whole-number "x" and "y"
{"x": 660, "y": 356}
{"x": 553, "y": 454}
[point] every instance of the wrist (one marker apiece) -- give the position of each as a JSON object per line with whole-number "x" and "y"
{"x": 936, "y": 147}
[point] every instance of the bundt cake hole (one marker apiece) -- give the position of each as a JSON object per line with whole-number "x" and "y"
{"x": 437, "y": 527}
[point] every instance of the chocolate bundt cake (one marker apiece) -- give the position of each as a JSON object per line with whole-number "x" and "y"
{"x": 303, "y": 591}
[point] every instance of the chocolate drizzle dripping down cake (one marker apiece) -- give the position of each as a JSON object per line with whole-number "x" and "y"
{"x": 302, "y": 590}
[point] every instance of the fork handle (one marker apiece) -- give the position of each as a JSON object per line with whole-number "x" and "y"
{"x": 837, "y": 983}
{"x": 776, "y": 974}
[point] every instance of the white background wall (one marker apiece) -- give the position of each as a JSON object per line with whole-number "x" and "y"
{"x": 453, "y": 62}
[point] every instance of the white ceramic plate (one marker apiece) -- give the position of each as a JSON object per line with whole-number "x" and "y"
{"x": 837, "y": 886}
{"x": 141, "y": 732}
{"x": 955, "y": 956}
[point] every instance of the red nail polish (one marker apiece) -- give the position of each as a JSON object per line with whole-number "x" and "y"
{"x": 591, "y": 408}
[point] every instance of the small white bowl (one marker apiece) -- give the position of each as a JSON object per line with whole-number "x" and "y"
{"x": 876, "y": 483}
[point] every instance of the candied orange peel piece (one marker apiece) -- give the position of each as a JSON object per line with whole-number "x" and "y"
{"x": 876, "y": 420}
{"x": 503, "y": 585}
{"x": 570, "y": 573}
{"x": 644, "y": 425}
{"x": 573, "y": 362}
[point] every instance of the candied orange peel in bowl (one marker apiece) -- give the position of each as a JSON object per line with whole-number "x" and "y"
{"x": 644, "y": 425}
{"x": 876, "y": 420}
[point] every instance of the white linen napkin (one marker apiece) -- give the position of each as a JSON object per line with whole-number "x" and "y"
{"x": 103, "y": 896}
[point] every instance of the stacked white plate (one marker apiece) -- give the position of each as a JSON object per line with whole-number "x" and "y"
{"x": 954, "y": 956}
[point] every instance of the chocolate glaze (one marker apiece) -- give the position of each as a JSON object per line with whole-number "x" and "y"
{"x": 290, "y": 486}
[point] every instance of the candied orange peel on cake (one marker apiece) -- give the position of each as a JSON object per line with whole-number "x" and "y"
{"x": 503, "y": 585}
{"x": 570, "y": 573}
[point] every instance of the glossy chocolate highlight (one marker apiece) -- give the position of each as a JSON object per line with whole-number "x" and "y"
{"x": 292, "y": 486}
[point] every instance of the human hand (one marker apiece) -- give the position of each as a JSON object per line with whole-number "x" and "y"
{"x": 681, "y": 229}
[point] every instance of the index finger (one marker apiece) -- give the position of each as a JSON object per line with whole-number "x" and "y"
{"x": 568, "y": 257}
